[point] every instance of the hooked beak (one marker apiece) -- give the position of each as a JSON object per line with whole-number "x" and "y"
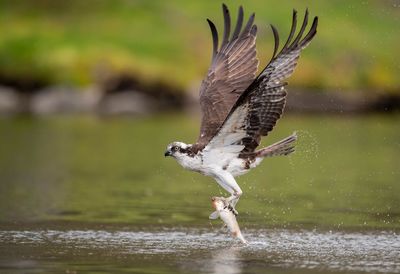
{"x": 167, "y": 153}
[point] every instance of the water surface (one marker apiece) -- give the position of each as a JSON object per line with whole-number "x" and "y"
{"x": 198, "y": 250}
{"x": 85, "y": 193}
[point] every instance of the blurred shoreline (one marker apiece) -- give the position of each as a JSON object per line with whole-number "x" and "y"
{"x": 139, "y": 57}
{"x": 130, "y": 99}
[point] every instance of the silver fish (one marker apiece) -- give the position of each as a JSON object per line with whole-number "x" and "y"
{"x": 227, "y": 214}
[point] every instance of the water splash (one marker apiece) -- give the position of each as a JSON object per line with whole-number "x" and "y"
{"x": 307, "y": 146}
{"x": 209, "y": 252}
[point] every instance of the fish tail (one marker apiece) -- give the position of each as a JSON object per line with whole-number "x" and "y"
{"x": 239, "y": 235}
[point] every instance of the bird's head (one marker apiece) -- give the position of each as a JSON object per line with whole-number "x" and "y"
{"x": 177, "y": 150}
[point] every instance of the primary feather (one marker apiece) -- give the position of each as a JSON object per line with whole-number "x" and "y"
{"x": 259, "y": 107}
{"x": 233, "y": 67}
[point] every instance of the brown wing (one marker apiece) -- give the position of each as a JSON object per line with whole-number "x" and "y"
{"x": 233, "y": 68}
{"x": 267, "y": 95}
{"x": 261, "y": 105}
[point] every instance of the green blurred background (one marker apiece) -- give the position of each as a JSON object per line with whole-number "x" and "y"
{"x": 110, "y": 169}
{"x": 77, "y": 42}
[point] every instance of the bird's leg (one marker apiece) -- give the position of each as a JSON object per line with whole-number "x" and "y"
{"x": 227, "y": 181}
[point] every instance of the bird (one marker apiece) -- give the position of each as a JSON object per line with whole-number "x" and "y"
{"x": 239, "y": 106}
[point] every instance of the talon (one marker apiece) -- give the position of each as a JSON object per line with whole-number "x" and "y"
{"x": 232, "y": 208}
{"x": 234, "y": 211}
{"x": 232, "y": 200}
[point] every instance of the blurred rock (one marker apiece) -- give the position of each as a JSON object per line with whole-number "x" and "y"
{"x": 341, "y": 102}
{"x": 8, "y": 100}
{"x": 128, "y": 97}
{"x": 127, "y": 102}
{"x": 324, "y": 102}
{"x": 385, "y": 103}
{"x": 125, "y": 94}
{"x": 64, "y": 100}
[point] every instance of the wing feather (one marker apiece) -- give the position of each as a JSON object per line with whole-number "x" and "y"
{"x": 227, "y": 25}
{"x": 233, "y": 68}
{"x": 214, "y": 34}
{"x": 239, "y": 24}
{"x": 257, "y": 110}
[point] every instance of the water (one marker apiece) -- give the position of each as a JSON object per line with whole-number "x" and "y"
{"x": 192, "y": 250}
{"x": 83, "y": 194}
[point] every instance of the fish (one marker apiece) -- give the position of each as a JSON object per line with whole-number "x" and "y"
{"x": 227, "y": 214}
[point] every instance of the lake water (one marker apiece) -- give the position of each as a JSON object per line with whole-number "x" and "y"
{"x": 95, "y": 195}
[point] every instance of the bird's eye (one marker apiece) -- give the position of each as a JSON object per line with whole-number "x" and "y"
{"x": 175, "y": 148}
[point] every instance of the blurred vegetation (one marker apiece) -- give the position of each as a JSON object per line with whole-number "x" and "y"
{"x": 80, "y": 42}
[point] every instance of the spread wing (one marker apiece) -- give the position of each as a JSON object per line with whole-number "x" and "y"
{"x": 257, "y": 110}
{"x": 233, "y": 68}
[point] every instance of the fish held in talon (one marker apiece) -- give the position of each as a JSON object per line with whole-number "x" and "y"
{"x": 238, "y": 105}
{"x": 226, "y": 213}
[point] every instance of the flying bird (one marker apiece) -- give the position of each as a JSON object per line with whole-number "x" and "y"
{"x": 238, "y": 106}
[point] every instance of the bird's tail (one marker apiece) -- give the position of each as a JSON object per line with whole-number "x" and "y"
{"x": 283, "y": 147}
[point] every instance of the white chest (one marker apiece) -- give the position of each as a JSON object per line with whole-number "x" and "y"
{"x": 190, "y": 163}
{"x": 210, "y": 166}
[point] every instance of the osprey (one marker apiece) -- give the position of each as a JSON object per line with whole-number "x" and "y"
{"x": 238, "y": 107}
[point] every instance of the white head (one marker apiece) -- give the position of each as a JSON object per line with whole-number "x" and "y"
{"x": 184, "y": 155}
{"x": 180, "y": 151}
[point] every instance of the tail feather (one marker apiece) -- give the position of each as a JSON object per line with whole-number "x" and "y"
{"x": 283, "y": 147}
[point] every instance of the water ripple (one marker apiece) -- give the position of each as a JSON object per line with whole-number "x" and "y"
{"x": 211, "y": 252}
